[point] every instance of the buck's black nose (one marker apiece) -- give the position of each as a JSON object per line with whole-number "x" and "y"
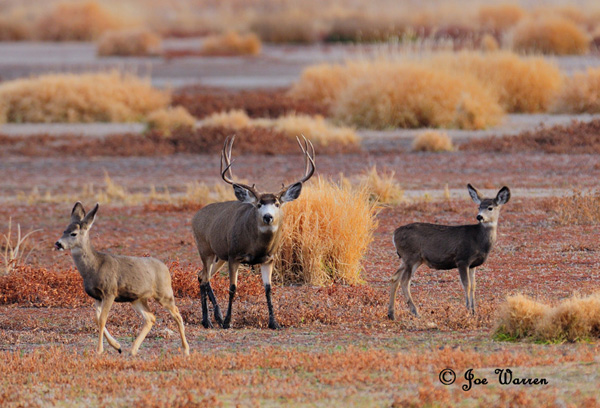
{"x": 267, "y": 219}
{"x": 479, "y": 218}
{"x": 58, "y": 245}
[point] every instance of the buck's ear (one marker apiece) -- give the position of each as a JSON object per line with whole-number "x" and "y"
{"x": 475, "y": 196}
{"x": 78, "y": 212}
{"x": 503, "y": 196}
{"x": 244, "y": 195}
{"x": 291, "y": 193}
{"x": 89, "y": 219}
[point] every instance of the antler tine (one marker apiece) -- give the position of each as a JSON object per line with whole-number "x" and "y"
{"x": 226, "y": 173}
{"x": 309, "y": 159}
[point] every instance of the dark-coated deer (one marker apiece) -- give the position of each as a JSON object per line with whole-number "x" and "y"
{"x": 246, "y": 231}
{"x": 447, "y": 247}
{"x": 112, "y": 278}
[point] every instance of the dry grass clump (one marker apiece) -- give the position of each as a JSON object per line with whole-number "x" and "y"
{"x": 316, "y": 128}
{"x": 129, "y": 43}
{"x": 231, "y": 43}
{"x": 76, "y": 21}
{"x": 410, "y": 95}
{"x": 104, "y": 97}
{"x": 326, "y": 243}
{"x": 382, "y": 187}
{"x": 13, "y": 29}
{"x": 489, "y": 43}
{"x": 432, "y": 141}
{"x": 574, "y": 319}
{"x": 14, "y": 249}
{"x": 577, "y": 209}
{"x": 364, "y": 27}
{"x": 580, "y": 93}
{"x": 549, "y": 35}
{"x": 288, "y": 26}
{"x": 168, "y": 120}
{"x": 521, "y": 84}
{"x": 500, "y": 17}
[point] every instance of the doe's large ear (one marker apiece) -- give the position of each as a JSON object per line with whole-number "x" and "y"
{"x": 291, "y": 193}
{"x": 78, "y": 212}
{"x": 90, "y": 218}
{"x": 503, "y": 196}
{"x": 244, "y": 195}
{"x": 474, "y": 194}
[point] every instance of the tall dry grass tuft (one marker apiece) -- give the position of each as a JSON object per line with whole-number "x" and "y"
{"x": 105, "y": 97}
{"x": 129, "y": 43}
{"x": 13, "y": 28}
{"x": 577, "y": 209}
{"x": 549, "y": 35}
{"x": 500, "y": 17}
{"x": 382, "y": 187}
{"x": 580, "y": 93}
{"x": 432, "y": 141}
{"x": 316, "y": 128}
{"x": 520, "y": 84}
{"x": 169, "y": 120}
{"x": 411, "y": 95}
{"x": 76, "y": 21}
{"x": 574, "y": 319}
{"x": 14, "y": 252}
{"x": 326, "y": 234}
{"x": 231, "y": 43}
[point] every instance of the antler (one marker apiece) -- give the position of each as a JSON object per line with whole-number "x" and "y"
{"x": 309, "y": 162}
{"x": 226, "y": 172}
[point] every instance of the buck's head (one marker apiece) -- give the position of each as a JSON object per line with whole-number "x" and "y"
{"x": 77, "y": 231}
{"x": 489, "y": 208}
{"x": 268, "y": 205}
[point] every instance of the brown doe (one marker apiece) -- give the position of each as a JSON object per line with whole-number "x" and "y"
{"x": 112, "y": 278}
{"x": 247, "y": 231}
{"x": 446, "y": 247}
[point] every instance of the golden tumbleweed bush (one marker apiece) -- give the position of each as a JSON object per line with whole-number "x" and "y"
{"x": 168, "y": 120}
{"x": 105, "y": 97}
{"x": 580, "y": 93}
{"x": 549, "y": 35}
{"x": 326, "y": 234}
{"x": 432, "y": 141}
{"x": 574, "y": 319}
{"x": 129, "y": 43}
{"x": 231, "y": 43}
{"x": 76, "y": 21}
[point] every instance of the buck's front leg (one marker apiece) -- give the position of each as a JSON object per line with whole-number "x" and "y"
{"x": 233, "y": 275}
{"x": 266, "y": 271}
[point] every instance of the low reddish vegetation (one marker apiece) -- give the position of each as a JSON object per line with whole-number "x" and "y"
{"x": 578, "y": 137}
{"x": 203, "y": 101}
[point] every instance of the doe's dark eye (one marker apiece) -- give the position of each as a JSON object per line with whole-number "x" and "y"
{"x": 259, "y": 205}
{"x": 73, "y": 234}
{"x": 277, "y": 205}
{"x": 490, "y": 208}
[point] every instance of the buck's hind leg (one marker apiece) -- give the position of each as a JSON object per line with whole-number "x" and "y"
{"x": 205, "y": 289}
{"x": 111, "y": 340}
{"x": 214, "y": 268}
{"x": 409, "y": 270}
{"x": 233, "y": 275}
{"x": 393, "y": 290}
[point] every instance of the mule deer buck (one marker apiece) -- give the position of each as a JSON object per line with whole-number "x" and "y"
{"x": 447, "y": 247}
{"x": 246, "y": 231}
{"x": 112, "y": 278}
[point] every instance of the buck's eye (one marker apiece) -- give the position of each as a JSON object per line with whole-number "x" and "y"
{"x": 277, "y": 205}
{"x": 73, "y": 234}
{"x": 259, "y": 205}
{"x": 490, "y": 208}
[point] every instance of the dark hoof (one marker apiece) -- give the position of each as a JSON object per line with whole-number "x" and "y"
{"x": 273, "y": 325}
{"x": 207, "y": 324}
{"x": 391, "y": 316}
{"x": 219, "y": 317}
{"x": 226, "y": 324}
{"x": 120, "y": 351}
